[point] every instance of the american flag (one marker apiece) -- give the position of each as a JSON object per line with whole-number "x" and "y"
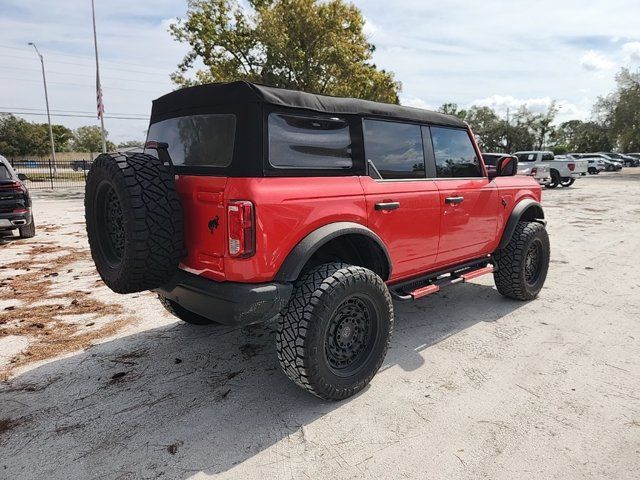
{"x": 99, "y": 98}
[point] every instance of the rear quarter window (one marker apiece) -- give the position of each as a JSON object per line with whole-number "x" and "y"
{"x": 5, "y": 174}
{"x": 197, "y": 140}
{"x": 309, "y": 142}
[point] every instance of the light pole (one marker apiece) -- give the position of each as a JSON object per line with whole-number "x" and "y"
{"x": 98, "y": 85}
{"x": 46, "y": 99}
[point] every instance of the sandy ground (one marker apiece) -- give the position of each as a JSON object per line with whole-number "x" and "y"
{"x": 474, "y": 385}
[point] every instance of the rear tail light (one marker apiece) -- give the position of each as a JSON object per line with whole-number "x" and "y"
{"x": 534, "y": 171}
{"x": 17, "y": 187}
{"x": 572, "y": 166}
{"x": 241, "y": 228}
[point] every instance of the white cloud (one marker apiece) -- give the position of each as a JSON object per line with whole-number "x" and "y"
{"x": 370, "y": 28}
{"x": 593, "y": 61}
{"x": 415, "y": 102}
{"x": 631, "y": 52}
{"x": 566, "y": 109}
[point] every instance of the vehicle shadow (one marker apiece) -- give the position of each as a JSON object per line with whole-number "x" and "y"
{"x": 7, "y": 237}
{"x": 180, "y": 399}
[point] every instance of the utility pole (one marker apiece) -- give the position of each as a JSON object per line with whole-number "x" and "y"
{"x": 98, "y": 86}
{"x": 46, "y": 99}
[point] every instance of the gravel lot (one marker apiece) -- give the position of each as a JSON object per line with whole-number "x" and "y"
{"x": 96, "y": 385}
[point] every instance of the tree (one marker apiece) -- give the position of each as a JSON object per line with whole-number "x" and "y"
{"x": 579, "y": 136}
{"x": 489, "y": 129}
{"x": 541, "y": 125}
{"x": 619, "y": 112}
{"x": 89, "y": 139}
{"x": 453, "y": 109}
{"x": 131, "y": 144}
{"x": 310, "y": 45}
{"x": 20, "y": 137}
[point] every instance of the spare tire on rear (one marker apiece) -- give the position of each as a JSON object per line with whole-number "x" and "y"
{"x": 134, "y": 221}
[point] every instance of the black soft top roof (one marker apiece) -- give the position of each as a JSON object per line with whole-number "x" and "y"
{"x": 190, "y": 100}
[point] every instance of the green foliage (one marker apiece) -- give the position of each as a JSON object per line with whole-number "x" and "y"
{"x": 619, "y": 112}
{"x": 310, "y": 45}
{"x": 89, "y": 139}
{"x": 20, "y": 137}
{"x": 578, "y": 136}
{"x": 131, "y": 144}
{"x": 453, "y": 109}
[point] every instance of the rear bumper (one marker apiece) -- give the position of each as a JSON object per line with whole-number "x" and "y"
{"x": 228, "y": 303}
{"x": 11, "y": 221}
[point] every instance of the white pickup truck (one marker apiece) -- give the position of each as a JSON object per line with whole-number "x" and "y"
{"x": 563, "y": 172}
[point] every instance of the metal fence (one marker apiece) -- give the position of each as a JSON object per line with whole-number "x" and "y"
{"x": 47, "y": 175}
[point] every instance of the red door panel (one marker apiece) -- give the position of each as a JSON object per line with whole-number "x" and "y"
{"x": 469, "y": 218}
{"x": 410, "y": 231}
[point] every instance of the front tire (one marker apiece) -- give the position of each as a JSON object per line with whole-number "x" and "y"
{"x": 523, "y": 264}
{"x": 334, "y": 334}
{"x": 183, "y": 314}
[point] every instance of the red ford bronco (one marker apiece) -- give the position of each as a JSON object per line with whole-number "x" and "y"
{"x": 252, "y": 203}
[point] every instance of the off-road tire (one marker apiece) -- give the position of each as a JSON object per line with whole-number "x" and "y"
{"x": 510, "y": 275}
{"x": 134, "y": 221}
{"x": 555, "y": 179}
{"x": 303, "y": 329}
{"x": 28, "y": 231}
{"x": 567, "y": 182}
{"x": 182, "y": 313}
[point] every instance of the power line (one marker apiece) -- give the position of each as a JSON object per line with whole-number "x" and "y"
{"x": 69, "y": 84}
{"x": 72, "y": 111}
{"x": 74, "y": 116}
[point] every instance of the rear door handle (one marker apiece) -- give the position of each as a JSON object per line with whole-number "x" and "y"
{"x": 454, "y": 200}
{"x": 387, "y": 206}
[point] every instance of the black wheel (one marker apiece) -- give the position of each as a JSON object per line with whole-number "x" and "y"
{"x": 592, "y": 171}
{"x": 521, "y": 267}
{"x": 134, "y": 221}
{"x": 28, "y": 231}
{"x": 567, "y": 182}
{"x": 334, "y": 334}
{"x": 183, "y": 314}
{"x": 555, "y": 179}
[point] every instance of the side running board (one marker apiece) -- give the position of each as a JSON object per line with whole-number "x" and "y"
{"x": 433, "y": 283}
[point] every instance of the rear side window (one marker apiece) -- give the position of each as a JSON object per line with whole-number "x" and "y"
{"x": 454, "y": 153}
{"x": 547, "y": 157}
{"x": 395, "y": 149}
{"x": 5, "y": 174}
{"x": 309, "y": 142}
{"x": 197, "y": 140}
{"x": 526, "y": 157}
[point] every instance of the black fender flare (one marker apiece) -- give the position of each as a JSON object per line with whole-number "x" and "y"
{"x": 304, "y": 250}
{"x": 526, "y": 209}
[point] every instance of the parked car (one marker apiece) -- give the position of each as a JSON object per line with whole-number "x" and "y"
{"x": 253, "y": 202}
{"x": 15, "y": 202}
{"x": 539, "y": 172}
{"x": 80, "y": 165}
{"x": 563, "y": 172}
{"x": 595, "y": 164}
{"x": 626, "y": 160}
{"x": 609, "y": 164}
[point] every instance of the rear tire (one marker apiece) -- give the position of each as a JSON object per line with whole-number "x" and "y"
{"x": 183, "y": 314}
{"x": 523, "y": 264}
{"x": 334, "y": 334}
{"x": 567, "y": 182}
{"x": 134, "y": 221}
{"x": 28, "y": 231}
{"x": 555, "y": 179}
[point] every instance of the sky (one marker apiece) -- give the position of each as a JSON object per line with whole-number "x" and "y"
{"x": 496, "y": 53}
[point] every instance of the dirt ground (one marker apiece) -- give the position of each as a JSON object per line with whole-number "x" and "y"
{"x": 97, "y": 385}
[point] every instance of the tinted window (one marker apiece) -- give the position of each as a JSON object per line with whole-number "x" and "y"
{"x": 4, "y": 172}
{"x": 394, "y": 148}
{"x": 547, "y": 157}
{"x": 197, "y": 140}
{"x": 297, "y": 141}
{"x": 454, "y": 152}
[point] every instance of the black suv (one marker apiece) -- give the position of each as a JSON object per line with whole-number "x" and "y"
{"x": 15, "y": 202}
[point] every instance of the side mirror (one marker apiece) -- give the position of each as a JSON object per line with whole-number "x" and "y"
{"x": 507, "y": 167}
{"x": 22, "y": 177}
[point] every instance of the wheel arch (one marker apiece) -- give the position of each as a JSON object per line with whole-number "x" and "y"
{"x": 345, "y": 241}
{"x": 526, "y": 210}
